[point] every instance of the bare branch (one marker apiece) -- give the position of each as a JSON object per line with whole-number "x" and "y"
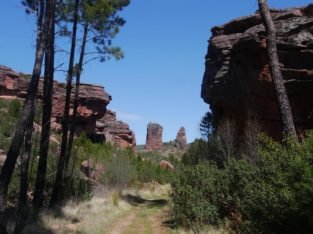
{"x": 94, "y": 58}
{"x": 58, "y": 66}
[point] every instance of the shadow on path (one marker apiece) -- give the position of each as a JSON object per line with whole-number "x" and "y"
{"x": 136, "y": 200}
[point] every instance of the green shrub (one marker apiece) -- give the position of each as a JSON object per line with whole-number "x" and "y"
{"x": 9, "y": 114}
{"x": 150, "y": 170}
{"x": 195, "y": 196}
{"x": 122, "y": 166}
{"x": 198, "y": 151}
{"x": 119, "y": 172}
{"x": 272, "y": 194}
{"x": 14, "y": 109}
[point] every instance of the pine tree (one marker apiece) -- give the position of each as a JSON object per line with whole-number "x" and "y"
{"x": 278, "y": 81}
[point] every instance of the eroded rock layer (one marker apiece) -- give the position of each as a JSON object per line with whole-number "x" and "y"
{"x": 237, "y": 82}
{"x": 115, "y": 131}
{"x": 93, "y": 101}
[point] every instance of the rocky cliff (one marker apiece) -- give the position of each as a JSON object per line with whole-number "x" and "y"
{"x": 93, "y": 101}
{"x": 237, "y": 82}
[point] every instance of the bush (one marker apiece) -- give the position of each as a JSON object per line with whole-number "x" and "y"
{"x": 119, "y": 172}
{"x": 9, "y": 114}
{"x": 122, "y": 166}
{"x": 195, "y": 197}
{"x": 272, "y": 194}
{"x": 197, "y": 152}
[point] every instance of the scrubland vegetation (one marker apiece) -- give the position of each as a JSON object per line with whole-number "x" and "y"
{"x": 262, "y": 187}
{"x": 254, "y": 185}
{"x": 120, "y": 170}
{"x": 226, "y": 182}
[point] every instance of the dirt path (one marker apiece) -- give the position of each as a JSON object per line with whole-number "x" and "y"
{"x": 142, "y": 219}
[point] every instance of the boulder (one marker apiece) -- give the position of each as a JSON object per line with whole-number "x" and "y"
{"x": 92, "y": 170}
{"x": 165, "y": 165}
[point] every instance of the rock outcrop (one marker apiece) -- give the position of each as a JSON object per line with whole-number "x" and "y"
{"x": 92, "y": 170}
{"x": 165, "y": 165}
{"x": 237, "y": 81}
{"x": 154, "y": 136}
{"x": 93, "y": 101}
{"x": 181, "y": 139}
{"x": 114, "y": 131}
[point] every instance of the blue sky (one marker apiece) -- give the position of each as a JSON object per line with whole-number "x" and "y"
{"x": 164, "y": 42}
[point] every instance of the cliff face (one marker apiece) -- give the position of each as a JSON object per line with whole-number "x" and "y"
{"x": 93, "y": 101}
{"x": 237, "y": 82}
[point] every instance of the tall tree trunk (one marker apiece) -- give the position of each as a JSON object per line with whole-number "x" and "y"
{"x": 78, "y": 74}
{"x": 26, "y": 115}
{"x": 25, "y": 157}
{"x": 59, "y": 181}
{"x": 279, "y": 87}
{"x": 47, "y": 109}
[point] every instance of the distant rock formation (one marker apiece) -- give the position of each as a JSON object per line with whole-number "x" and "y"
{"x": 154, "y": 136}
{"x": 181, "y": 139}
{"x": 115, "y": 131}
{"x": 237, "y": 81}
{"x": 93, "y": 101}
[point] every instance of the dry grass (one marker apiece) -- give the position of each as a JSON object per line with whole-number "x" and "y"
{"x": 86, "y": 217}
{"x": 106, "y": 212}
{"x": 151, "y": 190}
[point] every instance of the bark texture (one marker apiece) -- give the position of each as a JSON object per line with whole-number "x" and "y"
{"x": 26, "y": 114}
{"x": 21, "y": 216}
{"x": 47, "y": 110}
{"x": 76, "y": 97}
{"x": 278, "y": 81}
{"x": 59, "y": 181}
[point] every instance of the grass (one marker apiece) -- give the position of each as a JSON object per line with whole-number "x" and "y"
{"x": 108, "y": 213}
{"x": 97, "y": 214}
{"x": 141, "y": 224}
{"x": 85, "y": 217}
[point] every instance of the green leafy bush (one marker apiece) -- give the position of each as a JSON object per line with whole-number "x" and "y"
{"x": 271, "y": 194}
{"x": 194, "y": 197}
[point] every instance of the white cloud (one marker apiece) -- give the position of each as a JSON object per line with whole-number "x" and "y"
{"x": 128, "y": 116}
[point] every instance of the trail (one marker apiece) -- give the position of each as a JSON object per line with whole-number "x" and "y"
{"x": 147, "y": 217}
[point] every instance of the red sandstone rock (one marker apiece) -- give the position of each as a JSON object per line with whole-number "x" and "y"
{"x": 154, "y": 136}
{"x": 165, "y": 165}
{"x": 237, "y": 81}
{"x": 116, "y": 132}
{"x": 181, "y": 139}
{"x": 93, "y": 101}
{"x": 92, "y": 170}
